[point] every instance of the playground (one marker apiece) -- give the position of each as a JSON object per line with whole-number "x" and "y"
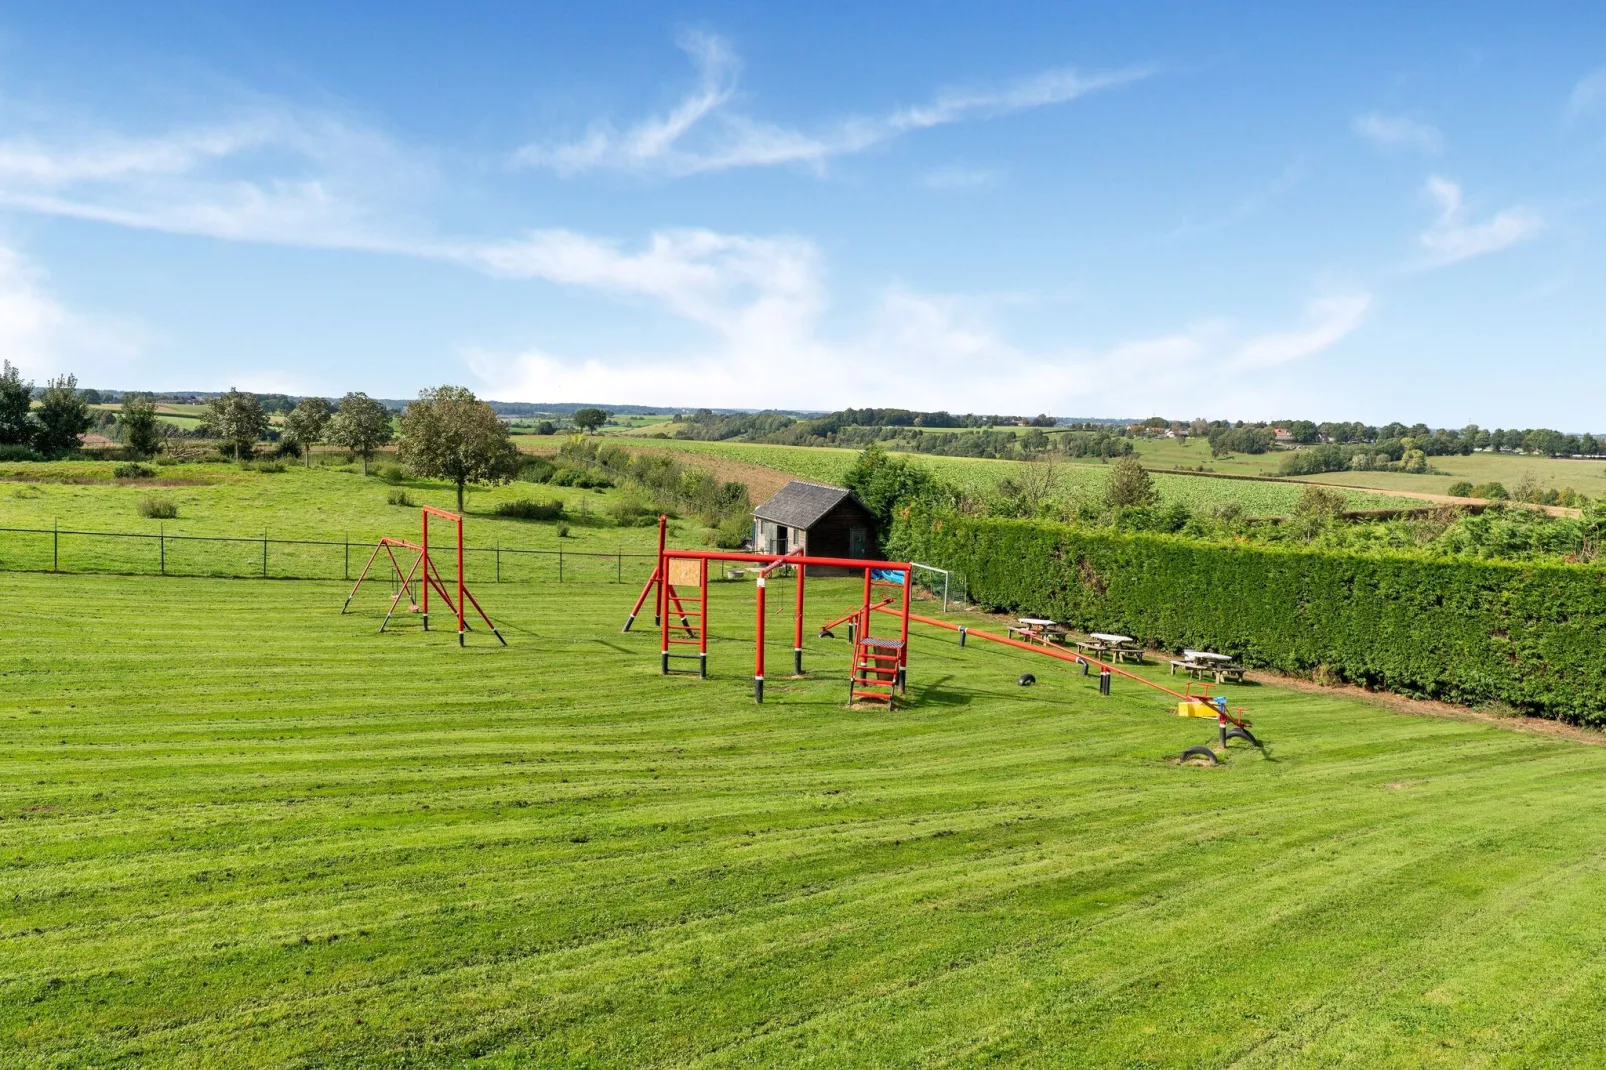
{"x": 241, "y": 826}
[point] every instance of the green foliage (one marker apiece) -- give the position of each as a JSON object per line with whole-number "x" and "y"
{"x": 1319, "y": 503}
{"x": 1243, "y": 439}
{"x": 361, "y": 425}
{"x": 733, "y": 533}
{"x": 392, "y": 474}
{"x": 448, "y": 433}
{"x": 1129, "y": 485}
{"x": 536, "y": 469}
{"x": 1490, "y": 492}
{"x": 16, "y": 398}
{"x": 1461, "y": 630}
{"x": 581, "y": 478}
{"x": 399, "y": 497}
{"x": 628, "y": 510}
{"x": 19, "y": 452}
{"x": 141, "y": 431}
{"x": 156, "y": 508}
{"x": 589, "y": 419}
{"x": 527, "y": 509}
{"x": 666, "y": 479}
{"x": 132, "y": 471}
{"x": 306, "y": 424}
{"x": 237, "y": 420}
{"x": 1460, "y": 489}
{"x": 886, "y": 484}
{"x": 63, "y": 415}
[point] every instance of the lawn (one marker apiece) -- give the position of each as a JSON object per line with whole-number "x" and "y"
{"x": 1077, "y": 479}
{"x": 240, "y": 829}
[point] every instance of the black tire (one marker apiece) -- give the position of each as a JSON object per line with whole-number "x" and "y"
{"x": 1244, "y": 734}
{"x": 1026, "y": 679}
{"x": 1200, "y": 752}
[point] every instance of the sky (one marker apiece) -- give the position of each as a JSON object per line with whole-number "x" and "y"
{"x": 1246, "y": 211}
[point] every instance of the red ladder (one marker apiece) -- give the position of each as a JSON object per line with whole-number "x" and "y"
{"x": 875, "y": 670}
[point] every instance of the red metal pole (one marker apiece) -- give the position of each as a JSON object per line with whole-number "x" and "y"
{"x": 758, "y": 649}
{"x": 864, "y": 609}
{"x": 460, "y": 598}
{"x": 659, "y": 606}
{"x": 903, "y": 661}
{"x": 425, "y": 605}
{"x": 702, "y": 632}
{"x": 797, "y": 629}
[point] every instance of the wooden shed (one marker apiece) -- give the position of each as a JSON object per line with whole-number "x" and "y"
{"x": 826, "y": 521}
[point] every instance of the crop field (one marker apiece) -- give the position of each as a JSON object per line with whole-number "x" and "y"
{"x": 1585, "y": 476}
{"x": 829, "y": 465}
{"x": 237, "y": 828}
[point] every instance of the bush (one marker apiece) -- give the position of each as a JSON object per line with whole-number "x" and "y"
{"x": 630, "y": 512}
{"x": 1320, "y": 503}
{"x": 271, "y": 467}
{"x": 1129, "y": 485}
{"x": 398, "y": 497}
{"x": 525, "y": 509}
{"x": 581, "y": 478}
{"x": 733, "y": 533}
{"x": 157, "y": 509}
{"x": 536, "y": 470}
{"x": 1461, "y": 630}
{"x": 1461, "y": 489}
{"x": 1494, "y": 492}
{"x": 18, "y": 452}
{"x": 133, "y": 471}
{"x": 390, "y": 473}
{"x": 563, "y": 531}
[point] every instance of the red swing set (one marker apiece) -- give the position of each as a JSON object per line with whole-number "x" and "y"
{"x": 422, "y": 575}
{"x": 880, "y": 664}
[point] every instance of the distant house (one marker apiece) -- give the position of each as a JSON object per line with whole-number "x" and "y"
{"x": 93, "y": 441}
{"x": 1282, "y": 434}
{"x": 826, "y": 521}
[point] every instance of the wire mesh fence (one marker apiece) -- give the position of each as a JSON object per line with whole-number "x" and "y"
{"x": 242, "y": 557}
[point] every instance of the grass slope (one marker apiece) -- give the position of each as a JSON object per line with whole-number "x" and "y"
{"x": 239, "y": 829}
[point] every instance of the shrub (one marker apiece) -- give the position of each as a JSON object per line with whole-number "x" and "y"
{"x": 157, "y": 508}
{"x": 398, "y": 497}
{"x": 1461, "y": 489}
{"x": 525, "y": 509}
{"x": 1320, "y": 503}
{"x": 630, "y": 511}
{"x": 563, "y": 531}
{"x": 1129, "y": 485}
{"x": 581, "y": 478}
{"x": 391, "y": 474}
{"x": 271, "y": 467}
{"x": 1494, "y": 492}
{"x": 133, "y": 471}
{"x": 19, "y": 452}
{"x": 536, "y": 470}
{"x": 733, "y": 533}
{"x": 1461, "y": 630}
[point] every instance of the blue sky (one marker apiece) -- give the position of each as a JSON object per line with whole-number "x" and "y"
{"x": 1343, "y": 212}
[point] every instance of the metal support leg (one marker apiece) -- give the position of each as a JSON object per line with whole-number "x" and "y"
{"x": 758, "y": 689}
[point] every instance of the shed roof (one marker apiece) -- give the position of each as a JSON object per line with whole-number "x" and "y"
{"x": 800, "y": 504}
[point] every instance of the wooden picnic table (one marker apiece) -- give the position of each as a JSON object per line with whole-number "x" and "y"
{"x": 1041, "y": 629}
{"x": 1202, "y": 663}
{"x": 1119, "y": 647}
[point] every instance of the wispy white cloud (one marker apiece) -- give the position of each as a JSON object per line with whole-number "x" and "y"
{"x": 960, "y": 179}
{"x": 1398, "y": 132}
{"x": 43, "y": 337}
{"x": 702, "y": 133}
{"x": 1453, "y": 237}
{"x": 1589, "y": 95}
{"x": 1332, "y": 320}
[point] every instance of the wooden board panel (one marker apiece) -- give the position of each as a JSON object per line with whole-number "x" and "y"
{"x": 685, "y": 573}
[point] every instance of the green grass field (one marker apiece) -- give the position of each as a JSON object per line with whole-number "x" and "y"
{"x": 1585, "y": 476}
{"x": 1077, "y": 479}
{"x": 237, "y": 828}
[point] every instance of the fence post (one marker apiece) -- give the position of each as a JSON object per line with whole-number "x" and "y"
{"x": 560, "y": 564}
{"x": 264, "y": 553}
{"x": 348, "y": 555}
{"x": 619, "y": 566}
{"x": 498, "y": 560}
{"x": 55, "y": 544}
{"x": 161, "y": 542}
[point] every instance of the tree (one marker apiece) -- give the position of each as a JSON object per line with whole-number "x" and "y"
{"x": 546, "y": 427}
{"x": 62, "y": 416}
{"x": 362, "y": 426}
{"x": 306, "y": 423}
{"x": 588, "y": 419}
{"x": 237, "y": 419}
{"x": 450, "y": 434}
{"x": 1129, "y": 485}
{"x": 16, "y": 397}
{"x": 883, "y": 483}
{"x": 138, "y": 421}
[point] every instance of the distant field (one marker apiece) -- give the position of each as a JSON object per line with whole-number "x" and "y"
{"x": 829, "y": 465}
{"x": 1586, "y": 477}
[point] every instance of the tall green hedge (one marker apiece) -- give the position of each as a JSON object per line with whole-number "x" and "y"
{"x": 1533, "y": 636}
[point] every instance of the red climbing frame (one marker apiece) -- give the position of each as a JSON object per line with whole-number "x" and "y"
{"x": 429, "y": 576}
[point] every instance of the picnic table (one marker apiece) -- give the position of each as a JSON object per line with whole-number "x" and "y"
{"x": 1040, "y": 629}
{"x": 1202, "y": 663}
{"x": 1119, "y": 647}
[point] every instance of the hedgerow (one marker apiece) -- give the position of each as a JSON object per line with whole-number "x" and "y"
{"x": 1465, "y": 631}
